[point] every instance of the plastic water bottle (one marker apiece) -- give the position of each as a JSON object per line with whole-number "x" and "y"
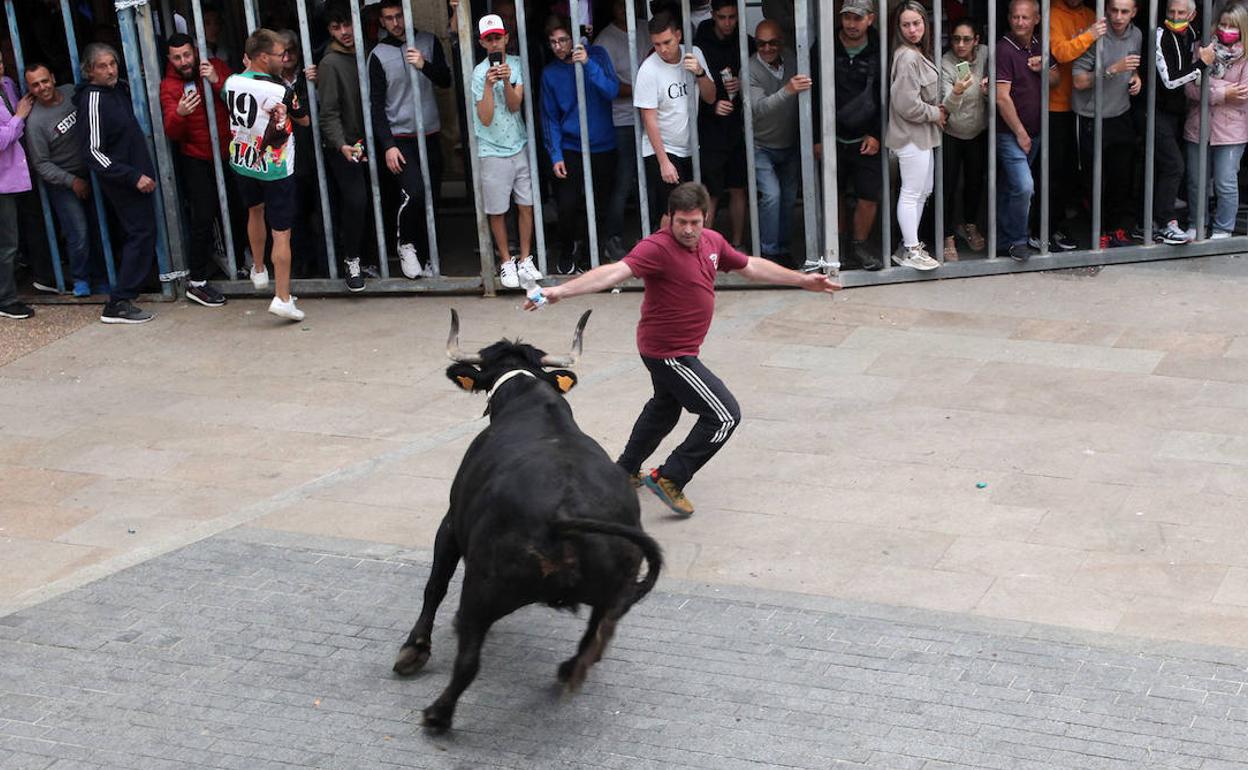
{"x": 532, "y": 290}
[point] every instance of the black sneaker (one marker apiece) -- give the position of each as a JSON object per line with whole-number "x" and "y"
{"x": 355, "y": 279}
{"x": 16, "y": 310}
{"x": 204, "y": 295}
{"x": 123, "y": 311}
{"x": 868, "y": 260}
{"x": 1019, "y": 252}
{"x": 1061, "y": 242}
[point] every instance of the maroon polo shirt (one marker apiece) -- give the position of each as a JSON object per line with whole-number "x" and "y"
{"x": 1024, "y": 84}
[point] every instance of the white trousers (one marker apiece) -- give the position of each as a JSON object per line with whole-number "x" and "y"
{"x": 917, "y": 177}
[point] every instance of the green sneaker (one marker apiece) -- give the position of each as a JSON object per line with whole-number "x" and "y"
{"x": 667, "y": 491}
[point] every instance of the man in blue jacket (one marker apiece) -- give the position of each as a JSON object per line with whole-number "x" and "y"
{"x": 562, "y": 133}
{"x": 116, "y": 151}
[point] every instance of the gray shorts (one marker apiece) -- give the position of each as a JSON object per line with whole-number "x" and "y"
{"x": 503, "y": 179}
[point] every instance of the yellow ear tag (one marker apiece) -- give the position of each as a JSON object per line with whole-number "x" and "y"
{"x": 465, "y": 382}
{"x": 565, "y": 382}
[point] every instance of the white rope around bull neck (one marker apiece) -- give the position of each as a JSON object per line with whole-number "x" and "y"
{"x": 508, "y": 376}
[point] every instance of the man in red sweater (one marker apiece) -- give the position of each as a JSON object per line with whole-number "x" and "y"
{"x": 182, "y": 103}
{"x": 678, "y": 265}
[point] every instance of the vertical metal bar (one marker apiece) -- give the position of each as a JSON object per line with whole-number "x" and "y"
{"x": 582, "y": 114}
{"x": 1097, "y": 128}
{"x": 643, "y": 195}
{"x": 366, "y": 107}
{"x": 164, "y": 154}
{"x": 19, "y": 60}
{"x": 535, "y": 179}
{"x": 806, "y": 134}
{"x": 422, "y": 143}
{"x": 747, "y": 108}
{"x": 1202, "y": 147}
{"x": 827, "y": 80}
{"x": 138, "y": 99}
{"x": 938, "y": 158}
{"x": 106, "y": 240}
{"x": 214, "y": 132}
{"x": 886, "y": 209}
{"x": 1046, "y": 174}
{"x": 249, "y": 12}
{"x": 992, "y": 129}
{"x": 314, "y": 111}
{"x": 1150, "y": 128}
{"x": 463, "y": 27}
{"x": 695, "y": 99}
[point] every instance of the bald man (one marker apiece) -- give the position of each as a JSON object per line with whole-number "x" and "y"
{"x": 774, "y": 86}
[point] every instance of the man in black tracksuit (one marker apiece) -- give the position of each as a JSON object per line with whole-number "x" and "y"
{"x": 1175, "y": 43}
{"x": 116, "y": 151}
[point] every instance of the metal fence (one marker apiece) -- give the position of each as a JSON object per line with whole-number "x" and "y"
{"x": 815, "y": 23}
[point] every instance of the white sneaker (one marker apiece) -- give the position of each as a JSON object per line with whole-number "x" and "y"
{"x": 286, "y": 309}
{"x": 1219, "y": 235}
{"x": 916, "y": 257}
{"x": 507, "y": 275}
{"x": 260, "y": 279}
{"x": 1175, "y": 235}
{"x": 527, "y": 269}
{"x": 409, "y": 260}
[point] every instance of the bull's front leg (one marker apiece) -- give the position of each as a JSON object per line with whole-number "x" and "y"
{"x": 476, "y": 614}
{"x": 415, "y": 651}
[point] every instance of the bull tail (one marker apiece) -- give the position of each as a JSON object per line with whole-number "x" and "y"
{"x": 649, "y": 548}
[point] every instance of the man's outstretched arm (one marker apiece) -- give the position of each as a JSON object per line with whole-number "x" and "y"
{"x": 601, "y": 277}
{"x": 766, "y": 271}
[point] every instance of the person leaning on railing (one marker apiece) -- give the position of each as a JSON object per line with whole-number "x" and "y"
{"x": 915, "y": 119}
{"x": 1228, "y": 121}
{"x": 965, "y": 145}
{"x": 14, "y": 180}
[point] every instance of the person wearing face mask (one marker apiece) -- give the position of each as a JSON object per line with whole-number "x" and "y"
{"x": 966, "y": 135}
{"x": 1118, "y": 67}
{"x": 1176, "y": 42}
{"x": 1228, "y": 120}
{"x": 915, "y": 120}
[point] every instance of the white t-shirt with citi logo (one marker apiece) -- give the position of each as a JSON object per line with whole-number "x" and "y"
{"x": 669, "y": 89}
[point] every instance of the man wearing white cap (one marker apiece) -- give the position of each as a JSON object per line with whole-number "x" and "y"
{"x": 498, "y": 92}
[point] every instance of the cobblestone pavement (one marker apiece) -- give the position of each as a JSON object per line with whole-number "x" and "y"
{"x": 258, "y": 649}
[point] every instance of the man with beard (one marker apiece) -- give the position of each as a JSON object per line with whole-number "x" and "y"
{"x": 561, "y": 129}
{"x": 394, "y": 124}
{"x": 182, "y": 101}
{"x": 262, "y": 155}
{"x": 116, "y": 151}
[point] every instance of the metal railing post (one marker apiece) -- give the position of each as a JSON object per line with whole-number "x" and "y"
{"x": 831, "y": 193}
{"x": 643, "y": 195}
{"x": 806, "y": 134}
{"x": 695, "y": 99}
{"x": 485, "y": 242}
{"x": 747, "y": 108}
{"x": 582, "y": 114}
{"x": 366, "y": 108}
{"x": 938, "y": 157}
{"x": 214, "y": 133}
{"x": 992, "y": 129}
{"x": 1097, "y": 129}
{"x": 1202, "y": 147}
{"x": 314, "y": 111}
{"x": 164, "y": 154}
{"x": 97, "y": 197}
{"x": 422, "y": 143}
{"x": 1046, "y": 174}
{"x": 249, "y": 13}
{"x": 1150, "y": 128}
{"x": 886, "y": 184}
{"x": 138, "y": 100}
{"x": 54, "y": 248}
{"x": 530, "y": 127}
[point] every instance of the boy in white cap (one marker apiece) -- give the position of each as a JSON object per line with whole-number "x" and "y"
{"x": 498, "y": 92}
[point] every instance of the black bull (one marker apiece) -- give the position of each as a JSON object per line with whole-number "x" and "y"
{"x": 539, "y": 513}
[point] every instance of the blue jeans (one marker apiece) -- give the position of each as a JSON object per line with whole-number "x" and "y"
{"x": 1015, "y": 186}
{"x": 1225, "y": 177}
{"x": 625, "y": 181}
{"x": 71, "y": 215}
{"x": 776, "y": 173}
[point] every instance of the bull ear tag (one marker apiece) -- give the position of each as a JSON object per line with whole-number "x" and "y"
{"x": 564, "y": 380}
{"x": 465, "y": 382}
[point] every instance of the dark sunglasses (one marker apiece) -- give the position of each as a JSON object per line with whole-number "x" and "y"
{"x": 963, "y": 38}
{"x": 766, "y": 43}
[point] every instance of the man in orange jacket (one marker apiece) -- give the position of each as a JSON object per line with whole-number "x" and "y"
{"x": 182, "y": 103}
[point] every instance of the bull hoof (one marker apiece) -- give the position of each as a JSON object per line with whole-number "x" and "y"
{"x": 565, "y": 670}
{"x": 436, "y": 719}
{"x": 572, "y": 673}
{"x": 411, "y": 659}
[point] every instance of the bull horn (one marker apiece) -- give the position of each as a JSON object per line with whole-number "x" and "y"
{"x": 452, "y": 344}
{"x": 575, "y": 353}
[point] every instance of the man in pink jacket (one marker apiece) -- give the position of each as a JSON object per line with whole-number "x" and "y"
{"x": 14, "y": 180}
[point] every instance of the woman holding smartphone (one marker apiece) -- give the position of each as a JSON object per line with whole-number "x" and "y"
{"x": 964, "y": 72}
{"x": 915, "y": 118}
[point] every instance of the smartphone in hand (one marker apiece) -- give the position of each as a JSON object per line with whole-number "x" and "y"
{"x": 962, "y": 69}
{"x": 496, "y": 59}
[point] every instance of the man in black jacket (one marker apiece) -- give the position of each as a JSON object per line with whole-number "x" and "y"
{"x": 116, "y": 151}
{"x": 394, "y": 123}
{"x": 857, "y": 51}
